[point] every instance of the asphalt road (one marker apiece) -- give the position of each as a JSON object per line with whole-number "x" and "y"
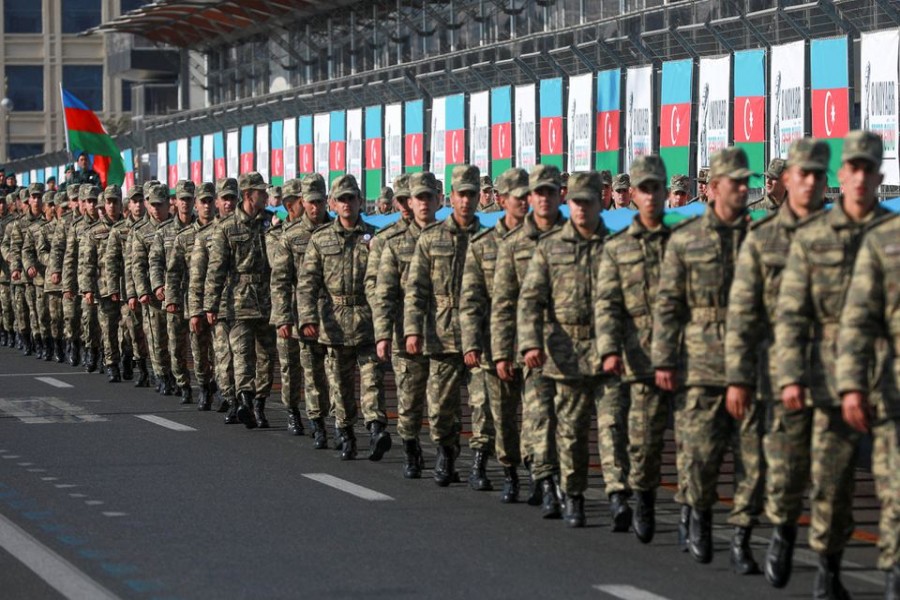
{"x": 98, "y": 501}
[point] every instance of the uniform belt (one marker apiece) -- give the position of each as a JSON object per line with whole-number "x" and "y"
{"x": 445, "y": 301}
{"x": 354, "y": 300}
{"x": 250, "y": 278}
{"x": 579, "y": 332}
{"x": 709, "y": 314}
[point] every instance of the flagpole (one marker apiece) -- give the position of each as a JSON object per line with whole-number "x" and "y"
{"x": 65, "y": 123}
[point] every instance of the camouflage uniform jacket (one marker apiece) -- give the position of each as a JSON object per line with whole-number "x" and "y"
{"x": 92, "y": 263}
{"x": 556, "y": 310}
{"x": 514, "y": 252}
{"x": 390, "y": 289}
{"x": 199, "y": 267}
{"x": 335, "y": 266}
{"x": 692, "y": 299}
{"x": 766, "y": 203}
{"x": 287, "y": 267}
{"x": 141, "y": 242}
{"x": 118, "y": 258}
{"x": 160, "y": 250}
{"x": 431, "y": 302}
{"x": 477, "y": 290}
{"x": 813, "y": 289}
{"x": 58, "y": 244}
{"x": 44, "y": 250}
{"x": 489, "y": 208}
{"x": 625, "y": 295}
{"x": 70, "y": 260}
{"x": 752, "y": 300}
{"x": 872, "y": 312}
{"x": 178, "y": 267}
{"x": 16, "y": 241}
{"x": 376, "y": 247}
{"x": 238, "y": 263}
{"x": 31, "y": 233}
{"x": 4, "y": 248}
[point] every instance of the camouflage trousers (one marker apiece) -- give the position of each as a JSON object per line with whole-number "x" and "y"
{"x": 179, "y": 341}
{"x": 708, "y": 432}
{"x": 7, "y": 315}
{"x": 40, "y": 312}
{"x": 224, "y": 363}
{"x": 90, "y": 325}
{"x": 886, "y": 470}
{"x": 315, "y": 379}
{"x": 109, "y": 313}
{"x": 289, "y": 361}
{"x": 54, "y": 301}
{"x": 20, "y": 308}
{"x": 505, "y": 403}
{"x": 612, "y": 434}
{"x": 835, "y": 446}
{"x": 539, "y": 425}
{"x": 681, "y": 457}
{"x": 158, "y": 339}
{"x": 787, "y": 444}
{"x": 132, "y": 328}
{"x": 371, "y": 384}
{"x": 572, "y": 406}
{"x": 411, "y": 378}
{"x": 483, "y": 383}
{"x": 72, "y": 318}
{"x": 446, "y": 375}
{"x": 253, "y": 353}
{"x": 648, "y": 416}
{"x": 203, "y": 354}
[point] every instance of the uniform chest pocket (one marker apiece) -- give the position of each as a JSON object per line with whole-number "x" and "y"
{"x": 331, "y": 250}
{"x": 561, "y": 256}
{"x": 631, "y": 268}
{"x": 827, "y": 276}
{"x": 705, "y": 268}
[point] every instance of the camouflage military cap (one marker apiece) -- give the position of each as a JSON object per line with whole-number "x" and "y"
{"x": 544, "y": 176}
{"x": 401, "y": 186}
{"x": 49, "y": 198}
{"x": 206, "y": 191}
{"x": 226, "y": 186}
{"x": 729, "y": 162}
{"x": 648, "y": 167}
{"x": 513, "y": 182}
{"x": 465, "y": 178}
{"x": 136, "y": 192}
{"x": 72, "y": 191}
{"x": 292, "y": 190}
{"x": 775, "y": 168}
{"x": 621, "y": 182}
{"x": 148, "y": 185}
{"x": 185, "y": 189}
{"x": 252, "y": 181}
{"x": 36, "y": 188}
{"x": 606, "y": 177}
{"x": 680, "y": 183}
{"x": 703, "y": 175}
{"x": 89, "y": 192}
{"x": 424, "y": 183}
{"x": 159, "y": 194}
{"x": 344, "y": 186}
{"x": 486, "y": 183}
{"x": 809, "y": 154}
{"x": 23, "y": 193}
{"x": 275, "y": 190}
{"x": 863, "y": 145}
{"x": 586, "y": 185}
{"x": 387, "y": 193}
{"x": 314, "y": 187}
{"x": 112, "y": 192}
{"x": 62, "y": 200}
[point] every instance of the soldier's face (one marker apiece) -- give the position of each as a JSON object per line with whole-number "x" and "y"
{"x": 859, "y": 181}
{"x": 35, "y": 205}
{"x": 82, "y": 162}
{"x": 676, "y": 198}
{"x": 113, "y": 208}
{"x": 702, "y": 188}
{"x": 806, "y": 189}
{"x": 136, "y": 207}
{"x": 545, "y": 202}
{"x": 159, "y": 211}
{"x": 347, "y": 207}
{"x": 257, "y": 200}
{"x": 315, "y": 209}
{"x": 774, "y": 187}
{"x": 184, "y": 206}
{"x": 402, "y": 204}
{"x": 424, "y": 206}
{"x": 226, "y": 204}
{"x": 89, "y": 207}
{"x": 731, "y": 193}
{"x": 606, "y": 198}
{"x": 622, "y": 197}
{"x": 464, "y": 204}
{"x": 487, "y": 196}
{"x": 650, "y": 199}
{"x": 49, "y": 212}
{"x": 585, "y": 213}
{"x": 515, "y": 207}
{"x": 60, "y": 211}
{"x": 205, "y": 209}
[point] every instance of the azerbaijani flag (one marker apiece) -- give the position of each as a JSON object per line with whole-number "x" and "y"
{"x": 196, "y": 160}
{"x": 455, "y": 137}
{"x": 277, "y": 136}
{"x": 750, "y": 109}
{"x": 248, "y": 163}
{"x": 829, "y": 72}
{"x": 337, "y": 145}
{"x": 305, "y": 161}
{"x": 609, "y": 108}
{"x": 675, "y": 115}
{"x": 374, "y": 153}
{"x": 551, "y": 111}
{"x": 414, "y": 138}
{"x": 172, "y": 174}
{"x": 501, "y": 130}
{"x": 128, "y": 161}
{"x": 219, "y": 168}
{"x": 84, "y": 132}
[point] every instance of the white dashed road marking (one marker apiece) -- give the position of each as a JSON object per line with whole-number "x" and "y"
{"x": 54, "y": 382}
{"x": 165, "y": 423}
{"x": 628, "y": 592}
{"x": 348, "y": 487}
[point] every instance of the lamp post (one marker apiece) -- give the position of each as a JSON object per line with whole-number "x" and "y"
{"x": 7, "y": 105}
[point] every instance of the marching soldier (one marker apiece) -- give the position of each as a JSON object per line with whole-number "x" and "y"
{"x": 607, "y": 197}
{"x": 71, "y": 304}
{"x": 6, "y": 310}
{"x": 621, "y": 187}
{"x": 702, "y": 184}
{"x": 33, "y": 273}
{"x": 679, "y": 188}
{"x": 34, "y": 261}
{"x": 88, "y": 195}
{"x": 23, "y": 293}
{"x": 775, "y": 189}
{"x": 384, "y": 203}
{"x": 53, "y": 291}
{"x": 486, "y": 201}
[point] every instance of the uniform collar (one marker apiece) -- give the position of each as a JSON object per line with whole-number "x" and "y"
{"x": 838, "y": 219}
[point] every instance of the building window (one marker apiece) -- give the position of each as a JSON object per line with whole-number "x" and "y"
{"x": 80, "y": 15}
{"x": 17, "y": 151}
{"x": 22, "y": 16}
{"x": 126, "y": 95}
{"x": 86, "y": 83}
{"x": 25, "y": 87}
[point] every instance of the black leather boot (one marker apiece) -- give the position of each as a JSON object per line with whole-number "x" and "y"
{"x": 187, "y": 394}
{"x": 113, "y": 374}
{"x": 27, "y": 344}
{"x": 510, "y": 493}
{"x": 101, "y": 366}
{"x": 780, "y": 555}
{"x": 379, "y": 440}
{"x": 644, "y": 520}
{"x": 69, "y": 350}
{"x": 828, "y": 584}
{"x": 444, "y": 465}
{"x": 90, "y": 360}
{"x": 170, "y": 388}
{"x": 231, "y": 417}
{"x": 127, "y": 367}
{"x": 223, "y": 403}
{"x": 534, "y": 488}
{"x": 259, "y": 411}
{"x": 742, "y": 561}
{"x": 320, "y": 435}
{"x": 619, "y": 512}
{"x": 37, "y": 342}
{"x": 204, "y": 404}
{"x": 684, "y": 523}
{"x": 550, "y": 499}
{"x": 478, "y": 479}
{"x": 295, "y": 423}
{"x": 700, "y": 535}
{"x": 49, "y": 349}
{"x": 60, "y": 351}
{"x": 574, "y": 512}
{"x": 77, "y": 352}
{"x": 143, "y": 379}
{"x": 348, "y": 449}
{"x": 892, "y": 584}
{"x": 338, "y": 438}
{"x": 414, "y": 462}
{"x": 245, "y": 410}
{"x": 3, "y": 338}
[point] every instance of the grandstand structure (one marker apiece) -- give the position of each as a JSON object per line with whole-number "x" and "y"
{"x": 251, "y": 62}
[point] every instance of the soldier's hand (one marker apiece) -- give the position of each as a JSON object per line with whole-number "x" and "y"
{"x": 284, "y": 332}
{"x": 310, "y": 331}
{"x": 114, "y": 297}
{"x": 68, "y": 296}
{"x": 793, "y": 396}
{"x": 613, "y": 365}
{"x": 472, "y": 359}
{"x": 195, "y": 324}
{"x": 55, "y": 278}
{"x": 16, "y": 275}
{"x": 506, "y": 370}
{"x": 737, "y": 400}
{"x": 89, "y": 297}
{"x": 32, "y": 272}
{"x": 161, "y": 293}
{"x": 212, "y": 318}
{"x": 145, "y": 299}
{"x": 171, "y": 308}
{"x": 133, "y": 304}
{"x": 856, "y": 411}
{"x": 383, "y": 350}
{"x": 665, "y": 379}
{"x": 414, "y": 344}
{"x": 535, "y": 358}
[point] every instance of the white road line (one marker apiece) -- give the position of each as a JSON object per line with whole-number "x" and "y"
{"x": 93, "y": 502}
{"x": 11, "y": 456}
{"x": 348, "y": 487}
{"x": 59, "y": 573}
{"x": 65, "y": 486}
{"x": 628, "y": 592}
{"x": 77, "y": 495}
{"x": 66, "y": 373}
{"x": 49, "y": 478}
{"x": 114, "y": 514}
{"x": 25, "y": 464}
{"x": 165, "y": 423}
{"x": 54, "y": 382}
